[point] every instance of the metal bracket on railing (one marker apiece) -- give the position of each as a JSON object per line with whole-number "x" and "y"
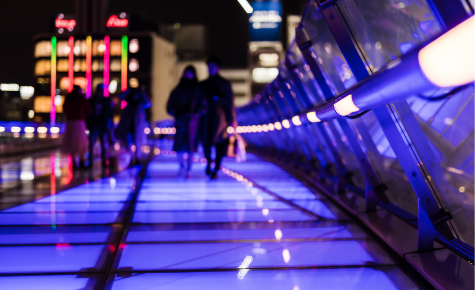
{"x": 441, "y": 218}
{"x": 371, "y": 198}
{"x": 323, "y": 4}
{"x": 426, "y": 230}
{"x": 303, "y": 40}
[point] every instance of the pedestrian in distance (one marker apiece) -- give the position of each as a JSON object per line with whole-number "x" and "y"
{"x": 213, "y": 100}
{"x": 130, "y": 130}
{"x": 75, "y": 141}
{"x": 179, "y": 106}
{"x": 99, "y": 124}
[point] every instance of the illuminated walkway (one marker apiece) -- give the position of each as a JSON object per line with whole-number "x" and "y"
{"x": 166, "y": 232}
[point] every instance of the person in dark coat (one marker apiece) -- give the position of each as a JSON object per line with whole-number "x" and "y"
{"x": 75, "y": 140}
{"x": 213, "y": 100}
{"x": 130, "y": 130}
{"x": 179, "y": 105}
{"x": 99, "y": 123}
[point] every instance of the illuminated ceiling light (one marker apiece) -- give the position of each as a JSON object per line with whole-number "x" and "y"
{"x": 286, "y": 124}
{"x": 9, "y": 87}
{"x": 156, "y": 130}
{"x": 26, "y": 92}
{"x": 264, "y": 127}
{"x": 311, "y": 116}
{"x": 113, "y": 86}
{"x": 101, "y": 47}
{"x": 133, "y": 65}
{"x": 278, "y": 126}
{"x": 147, "y": 131}
{"x": 246, "y": 6}
{"x": 271, "y": 127}
{"x": 239, "y": 129}
{"x": 296, "y": 121}
{"x": 278, "y": 234}
{"x": 2, "y": 129}
{"x": 27, "y": 175}
{"x": 449, "y": 60}
{"x": 254, "y": 129}
{"x": 259, "y": 128}
{"x": 134, "y": 82}
{"x": 264, "y": 75}
{"x": 345, "y": 106}
{"x": 15, "y": 129}
{"x": 134, "y": 45}
{"x": 265, "y": 211}
{"x": 54, "y": 130}
{"x": 58, "y": 100}
{"x": 42, "y": 130}
{"x": 29, "y": 130}
{"x": 269, "y": 59}
{"x": 230, "y": 130}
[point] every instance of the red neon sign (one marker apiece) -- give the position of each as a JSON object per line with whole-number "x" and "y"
{"x": 64, "y": 23}
{"x": 115, "y": 21}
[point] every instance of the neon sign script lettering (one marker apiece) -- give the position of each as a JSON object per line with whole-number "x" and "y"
{"x": 66, "y": 24}
{"x": 114, "y": 21}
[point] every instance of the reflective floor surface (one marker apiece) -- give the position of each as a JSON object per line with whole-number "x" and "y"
{"x": 254, "y": 228}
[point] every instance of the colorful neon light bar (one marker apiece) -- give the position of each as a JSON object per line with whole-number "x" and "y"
{"x": 53, "y": 81}
{"x": 106, "y": 66}
{"x": 124, "y": 64}
{"x": 89, "y": 42}
{"x": 71, "y": 64}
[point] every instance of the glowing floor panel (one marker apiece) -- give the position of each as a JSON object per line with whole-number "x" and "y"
{"x": 146, "y": 233}
{"x": 59, "y": 258}
{"x": 219, "y": 216}
{"x": 322, "y": 279}
{"x": 174, "y": 233}
{"x": 210, "y": 205}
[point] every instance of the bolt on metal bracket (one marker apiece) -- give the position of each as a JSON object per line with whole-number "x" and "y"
{"x": 323, "y": 4}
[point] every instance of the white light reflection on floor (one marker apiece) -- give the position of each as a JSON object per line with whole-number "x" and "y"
{"x": 244, "y": 265}
{"x": 286, "y": 256}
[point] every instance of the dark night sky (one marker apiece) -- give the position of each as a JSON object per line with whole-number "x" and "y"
{"x": 226, "y": 21}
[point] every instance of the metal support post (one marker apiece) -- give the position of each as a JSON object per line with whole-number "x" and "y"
{"x": 449, "y": 13}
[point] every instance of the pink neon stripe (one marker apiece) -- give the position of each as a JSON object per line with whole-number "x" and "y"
{"x": 71, "y": 64}
{"x": 88, "y": 66}
{"x": 53, "y": 82}
{"x": 106, "y": 66}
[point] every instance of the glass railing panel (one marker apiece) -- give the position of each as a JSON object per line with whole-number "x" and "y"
{"x": 296, "y": 99}
{"x": 387, "y": 29}
{"x": 448, "y": 124}
{"x": 376, "y": 145}
{"x": 340, "y": 141}
{"x": 312, "y": 89}
{"x": 329, "y": 55}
